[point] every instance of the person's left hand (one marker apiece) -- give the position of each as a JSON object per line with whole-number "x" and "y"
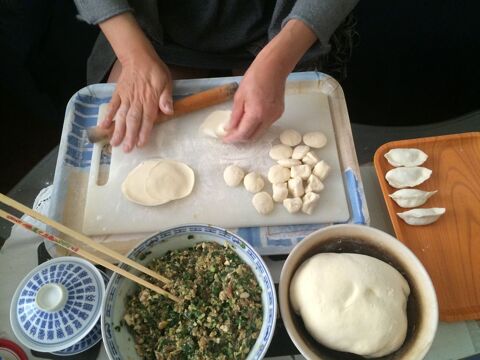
{"x": 258, "y": 102}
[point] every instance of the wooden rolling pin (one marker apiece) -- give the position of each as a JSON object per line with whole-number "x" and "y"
{"x": 182, "y": 106}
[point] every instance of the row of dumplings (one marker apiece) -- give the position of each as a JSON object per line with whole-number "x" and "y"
{"x": 407, "y": 174}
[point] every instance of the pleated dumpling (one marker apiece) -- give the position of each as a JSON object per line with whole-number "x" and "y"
{"x": 410, "y": 198}
{"x": 406, "y": 157}
{"x": 421, "y": 216}
{"x": 403, "y": 177}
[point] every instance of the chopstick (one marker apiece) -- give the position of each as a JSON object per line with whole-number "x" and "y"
{"x": 65, "y": 244}
{"x": 82, "y": 238}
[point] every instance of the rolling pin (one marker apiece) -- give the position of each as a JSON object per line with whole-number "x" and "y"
{"x": 182, "y": 106}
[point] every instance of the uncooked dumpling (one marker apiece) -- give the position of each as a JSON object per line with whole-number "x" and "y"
{"x": 406, "y": 157}
{"x": 352, "y": 303}
{"x": 290, "y": 137}
{"x": 315, "y": 139}
{"x": 280, "y": 152}
{"x": 421, "y": 216}
{"x": 169, "y": 180}
{"x": 410, "y": 198}
{"x": 233, "y": 175}
{"x": 403, "y": 177}
{"x": 156, "y": 182}
{"x": 215, "y": 123}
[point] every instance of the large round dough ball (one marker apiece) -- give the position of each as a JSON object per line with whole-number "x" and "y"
{"x": 278, "y": 174}
{"x": 315, "y": 139}
{"x": 280, "y": 152}
{"x": 351, "y": 302}
{"x": 233, "y": 175}
{"x": 253, "y": 182}
{"x": 290, "y": 137}
{"x": 263, "y": 203}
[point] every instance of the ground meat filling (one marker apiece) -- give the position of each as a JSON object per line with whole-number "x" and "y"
{"x": 220, "y": 316}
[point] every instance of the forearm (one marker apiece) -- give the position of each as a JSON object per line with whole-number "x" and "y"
{"x": 127, "y": 38}
{"x": 286, "y": 49}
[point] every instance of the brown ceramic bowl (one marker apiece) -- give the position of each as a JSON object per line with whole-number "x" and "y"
{"x": 422, "y": 307}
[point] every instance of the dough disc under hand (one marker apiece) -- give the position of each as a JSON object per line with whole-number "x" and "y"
{"x": 215, "y": 123}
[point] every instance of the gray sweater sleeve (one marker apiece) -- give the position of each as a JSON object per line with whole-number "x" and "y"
{"x": 322, "y": 16}
{"x": 94, "y": 11}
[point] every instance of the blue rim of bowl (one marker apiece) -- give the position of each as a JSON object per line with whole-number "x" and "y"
{"x": 91, "y": 339}
{"x": 108, "y": 338}
{"x": 85, "y": 328}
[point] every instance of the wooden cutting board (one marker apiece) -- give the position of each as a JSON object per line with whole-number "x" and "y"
{"x": 306, "y": 109}
{"x": 449, "y": 248}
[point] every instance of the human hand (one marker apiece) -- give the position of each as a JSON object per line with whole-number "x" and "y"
{"x": 258, "y": 102}
{"x": 144, "y": 89}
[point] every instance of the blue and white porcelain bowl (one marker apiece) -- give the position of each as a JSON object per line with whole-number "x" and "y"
{"x": 118, "y": 340}
{"x": 57, "y": 304}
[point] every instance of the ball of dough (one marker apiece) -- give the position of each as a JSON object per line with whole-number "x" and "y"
{"x": 263, "y": 203}
{"x": 310, "y": 201}
{"x": 215, "y": 123}
{"x": 302, "y": 171}
{"x": 280, "y": 192}
{"x": 310, "y": 159}
{"x": 293, "y": 205}
{"x": 253, "y": 182}
{"x": 314, "y": 184}
{"x": 280, "y": 151}
{"x": 321, "y": 170}
{"x": 315, "y": 139}
{"x": 233, "y": 175}
{"x": 352, "y": 303}
{"x": 288, "y": 163}
{"x": 300, "y": 151}
{"x": 295, "y": 186}
{"x": 278, "y": 174}
{"x": 290, "y": 137}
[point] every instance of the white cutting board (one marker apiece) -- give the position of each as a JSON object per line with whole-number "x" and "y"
{"x": 107, "y": 211}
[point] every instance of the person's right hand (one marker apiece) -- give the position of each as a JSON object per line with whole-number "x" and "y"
{"x": 144, "y": 90}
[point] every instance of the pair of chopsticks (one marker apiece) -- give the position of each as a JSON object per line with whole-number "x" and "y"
{"x": 85, "y": 240}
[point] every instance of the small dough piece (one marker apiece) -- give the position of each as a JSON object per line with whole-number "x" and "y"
{"x": 406, "y": 157}
{"x": 421, "y": 216}
{"x": 263, "y": 203}
{"x": 133, "y": 187}
{"x": 233, "y": 175}
{"x": 280, "y": 192}
{"x": 403, "y": 177}
{"x": 321, "y": 170}
{"x": 295, "y": 186}
{"x": 314, "y": 184}
{"x": 293, "y": 205}
{"x": 280, "y": 152}
{"x": 253, "y": 182}
{"x": 215, "y": 123}
{"x": 310, "y": 159}
{"x": 290, "y": 137}
{"x": 169, "y": 180}
{"x": 411, "y": 198}
{"x": 300, "y": 151}
{"x": 302, "y": 171}
{"x": 288, "y": 163}
{"x": 315, "y": 139}
{"x": 310, "y": 201}
{"x": 352, "y": 303}
{"x": 278, "y": 174}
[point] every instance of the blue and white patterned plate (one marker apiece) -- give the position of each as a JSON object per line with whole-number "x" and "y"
{"x": 118, "y": 340}
{"x": 92, "y": 338}
{"x": 57, "y": 304}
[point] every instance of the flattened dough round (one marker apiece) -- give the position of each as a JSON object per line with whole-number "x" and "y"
{"x": 169, "y": 180}
{"x": 290, "y": 137}
{"x": 215, "y": 123}
{"x": 315, "y": 139}
{"x": 133, "y": 187}
{"x": 280, "y": 152}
